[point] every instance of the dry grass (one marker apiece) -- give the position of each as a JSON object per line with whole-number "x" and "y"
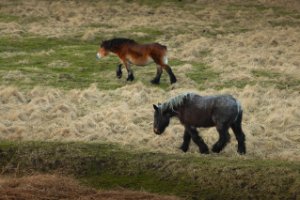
{"x": 271, "y": 119}
{"x": 58, "y": 187}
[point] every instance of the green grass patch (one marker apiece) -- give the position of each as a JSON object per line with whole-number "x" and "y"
{"x": 70, "y": 63}
{"x": 158, "y": 3}
{"x": 247, "y": 6}
{"x": 8, "y": 18}
{"x": 202, "y": 74}
{"x": 279, "y": 80}
{"x": 190, "y": 176}
{"x": 234, "y": 83}
{"x": 63, "y": 63}
{"x": 284, "y": 23}
{"x": 208, "y": 78}
{"x": 67, "y": 64}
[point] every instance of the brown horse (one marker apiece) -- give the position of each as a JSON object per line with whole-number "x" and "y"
{"x": 130, "y": 52}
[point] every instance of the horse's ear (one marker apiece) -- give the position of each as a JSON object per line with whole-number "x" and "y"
{"x": 155, "y": 107}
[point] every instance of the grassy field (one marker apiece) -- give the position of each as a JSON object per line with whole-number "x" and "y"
{"x": 108, "y": 166}
{"x": 52, "y": 89}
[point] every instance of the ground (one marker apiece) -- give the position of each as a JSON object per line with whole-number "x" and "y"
{"x": 52, "y": 89}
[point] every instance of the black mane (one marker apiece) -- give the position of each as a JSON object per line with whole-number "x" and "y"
{"x": 115, "y": 43}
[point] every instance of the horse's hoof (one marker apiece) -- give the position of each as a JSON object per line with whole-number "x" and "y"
{"x": 155, "y": 81}
{"x": 173, "y": 81}
{"x": 216, "y": 149}
{"x": 130, "y": 77}
{"x": 119, "y": 75}
{"x": 204, "y": 151}
{"x": 184, "y": 149}
{"x": 242, "y": 152}
{"x": 241, "y": 148}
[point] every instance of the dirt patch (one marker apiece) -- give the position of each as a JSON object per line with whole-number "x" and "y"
{"x": 58, "y": 187}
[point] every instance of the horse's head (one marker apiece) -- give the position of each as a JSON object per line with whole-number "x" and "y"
{"x": 161, "y": 120}
{"x": 103, "y": 50}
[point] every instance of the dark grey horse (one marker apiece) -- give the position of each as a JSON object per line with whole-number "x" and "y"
{"x": 195, "y": 111}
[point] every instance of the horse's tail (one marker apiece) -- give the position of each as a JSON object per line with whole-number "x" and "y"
{"x": 162, "y": 46}
{"x": 239, "y": 114}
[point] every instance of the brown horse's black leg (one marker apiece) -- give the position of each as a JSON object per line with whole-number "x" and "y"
{"x": 186, "y": 141}
{"x": 239, "y": 134}
{"x": 198, "y": 140}
{"x": 158, "y": 75}
{"x": 119, "y": 71}
{"x": 171, "y": 74}
{"x": 224, "y": 138}
{"x": 130, "y": 76}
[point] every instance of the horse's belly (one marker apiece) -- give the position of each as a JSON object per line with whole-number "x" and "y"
{"x": 198, "y": 120}
{"x": 140, "y": 61}
{"x": 205, "y": 123}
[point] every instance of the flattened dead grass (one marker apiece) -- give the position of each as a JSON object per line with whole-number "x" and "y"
{"x": 125, "y": 116}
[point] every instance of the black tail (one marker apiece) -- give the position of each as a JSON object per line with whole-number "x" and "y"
{"x": 162, "y": 46}
{"x": 239, "y": 134}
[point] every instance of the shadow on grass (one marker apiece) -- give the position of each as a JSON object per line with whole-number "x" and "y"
{"x": 186, "y": 175}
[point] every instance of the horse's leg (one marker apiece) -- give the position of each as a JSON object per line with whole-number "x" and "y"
{"x": 239, "y": 134}
{"x": 186, "y": 141}
{"x": 163, "y": 64}
{"x": 198, "y": 140}
{"x": 170, "y": 72}
{"x": 130, "y": 76}
{"x": 224, "y": 138}
{"x": 158, "y": 75}
{"x": 119, "y": 71}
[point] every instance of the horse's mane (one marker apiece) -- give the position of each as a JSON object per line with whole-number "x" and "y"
{"x": 176, "y": 101}
{"x": 116, "y": 43}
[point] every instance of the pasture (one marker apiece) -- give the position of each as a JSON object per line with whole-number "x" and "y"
{"x": 58, "y": 102}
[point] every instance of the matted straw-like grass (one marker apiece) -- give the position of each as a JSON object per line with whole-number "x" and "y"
{"x": 125, "y": 116}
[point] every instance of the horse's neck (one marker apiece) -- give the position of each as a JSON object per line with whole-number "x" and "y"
{"x": 172, "y": 111}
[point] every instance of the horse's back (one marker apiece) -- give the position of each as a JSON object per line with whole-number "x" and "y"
{"x": 158, "y": 45}
{"x": 156, "y": 49}
{"x": 213, "y": 108}
{"x": 148, "y": 48}
{"x": 214, "y": 101}
{"x": 197, "y": 110}
{"x": 226, "y": 108}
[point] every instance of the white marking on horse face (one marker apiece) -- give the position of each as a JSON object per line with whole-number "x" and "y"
{"x": 165, "y": 60}
{"x": 98, "y": 55}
